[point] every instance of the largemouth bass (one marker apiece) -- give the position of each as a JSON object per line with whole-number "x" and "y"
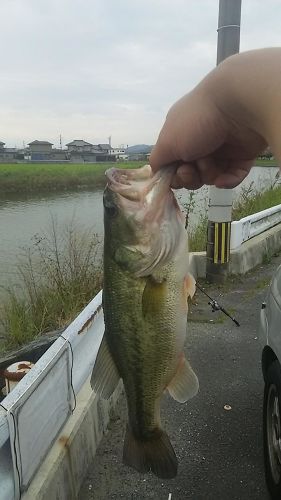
{"x": 146, "y": 287}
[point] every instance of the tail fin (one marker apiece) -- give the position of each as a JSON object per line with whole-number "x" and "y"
{"x": 155, "y": 454}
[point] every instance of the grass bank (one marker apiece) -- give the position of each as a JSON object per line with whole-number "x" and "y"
{"x": 249, "y": 202}
{"x": 33, "y": 177}
{"x": 266, "y": 163}
{"x": 56, "y": 277}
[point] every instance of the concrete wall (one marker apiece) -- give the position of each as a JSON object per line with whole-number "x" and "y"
{"x": 249, "y": 255}
{"x": 62, "y": 472}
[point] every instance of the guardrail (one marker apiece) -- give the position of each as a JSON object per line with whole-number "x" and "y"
{"x": 32, "y": 415}
{"x": 252, "y": 225}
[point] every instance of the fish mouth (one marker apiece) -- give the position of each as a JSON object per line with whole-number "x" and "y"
{"x": 148, "y": 203}
{"x": 132, "y": 185}
{"x": 140, "y": 185}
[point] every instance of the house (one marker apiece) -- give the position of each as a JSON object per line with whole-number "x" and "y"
{"x": 105, "y": 152}
{"x": 79, "y": 146}
{"x": 44, "y": 151}
{"x": 106, "y": 148}
{"x": 40, "y": 150}
{"x": 10, "y": 155}
{"x": 59, "y": 155}
{"x": 80, "y": 151}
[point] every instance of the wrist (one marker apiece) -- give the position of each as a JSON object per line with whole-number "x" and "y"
{"x": 247, "y": 88}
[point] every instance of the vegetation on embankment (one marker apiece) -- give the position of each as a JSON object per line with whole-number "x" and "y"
{"x": 34, "y": 177}
{"x": 57, "y": 276}
{"x": 266, "y": 163}
{"x": 249, "y": 202}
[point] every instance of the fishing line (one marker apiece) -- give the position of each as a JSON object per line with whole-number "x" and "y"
{"x": 216, "y": 306}
{"x": 71, "y": 374}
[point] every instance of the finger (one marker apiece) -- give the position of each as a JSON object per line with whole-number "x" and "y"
{"x": 234, "y": 174}
{"x": 187, "y": 176}
{"x": 162, "y": 153}
{"x": 208, "y": 169}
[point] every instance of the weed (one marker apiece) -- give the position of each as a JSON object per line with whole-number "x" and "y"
{"x": 249, "y": 202}
{"x": 252, "y": 201}
{"x": 266, "y": 258}
{"x": 57, "y": 276}
{"x": 198, "y": 235}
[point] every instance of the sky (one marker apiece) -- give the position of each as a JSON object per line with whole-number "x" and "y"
{"x": 90, "y": 69}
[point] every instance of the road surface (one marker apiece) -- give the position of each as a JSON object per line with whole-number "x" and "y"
{"x": 219, "y": 450}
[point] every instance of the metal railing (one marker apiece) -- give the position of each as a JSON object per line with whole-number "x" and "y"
{"x": 32, "y": 415}
{"x": 252, "y": 225}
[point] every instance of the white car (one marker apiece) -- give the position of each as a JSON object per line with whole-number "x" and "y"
{"x": 270, "y": 335}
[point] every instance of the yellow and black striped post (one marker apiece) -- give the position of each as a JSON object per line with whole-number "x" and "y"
{"x": 220, "y": 200}
{"x": 218, "y": 250}
{"x": 221, "y": 239}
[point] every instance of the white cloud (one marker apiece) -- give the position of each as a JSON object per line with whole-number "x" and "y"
{"x": 92, "y": 68}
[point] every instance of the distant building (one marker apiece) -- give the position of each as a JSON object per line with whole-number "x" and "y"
{"x": 119, "y": 153}
{"x": 59, "y": 155}
{"x": 10, "y": 155}
{"x": 106, "y": 148}
{"x": 80, "y": 151}
{"x": 40, "y": 150}
{"x": 44, "y": 151}
{"x": 79, "y": 146}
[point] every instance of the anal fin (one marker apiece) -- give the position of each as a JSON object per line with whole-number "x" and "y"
{"x": 184, "y": 385}
{"x": 105, "y": 376}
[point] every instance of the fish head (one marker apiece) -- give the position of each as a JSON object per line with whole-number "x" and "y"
{"x": 143, "y": 223}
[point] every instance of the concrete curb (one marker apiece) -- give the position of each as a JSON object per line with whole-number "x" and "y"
{"x": 63, "y": 470}
{"x": 251, "y": 253}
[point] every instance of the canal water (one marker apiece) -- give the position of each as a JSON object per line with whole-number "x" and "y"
{"x": 22, "y": 217}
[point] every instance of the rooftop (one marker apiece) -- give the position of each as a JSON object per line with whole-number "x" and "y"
{"x": 40, "y": 142}
{"x": 79, "y": 142}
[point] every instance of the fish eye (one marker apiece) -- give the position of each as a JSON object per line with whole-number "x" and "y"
{"x": 110, "y": 208}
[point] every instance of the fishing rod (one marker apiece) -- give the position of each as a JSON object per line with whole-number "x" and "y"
{"x": 216, "y": 306}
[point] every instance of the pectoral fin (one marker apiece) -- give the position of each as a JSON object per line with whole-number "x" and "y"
{"x": 190, "y": 285}
{"x": 185, "y": 383}
{"x": 105, "y": 376}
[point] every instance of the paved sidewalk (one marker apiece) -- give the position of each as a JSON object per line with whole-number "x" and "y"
{"x": 219, "y": 451}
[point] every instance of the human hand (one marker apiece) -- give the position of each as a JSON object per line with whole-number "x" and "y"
{"x": 210, "y": 134}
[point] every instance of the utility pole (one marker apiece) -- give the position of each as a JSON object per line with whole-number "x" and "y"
{"x": 220, "y": 200}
